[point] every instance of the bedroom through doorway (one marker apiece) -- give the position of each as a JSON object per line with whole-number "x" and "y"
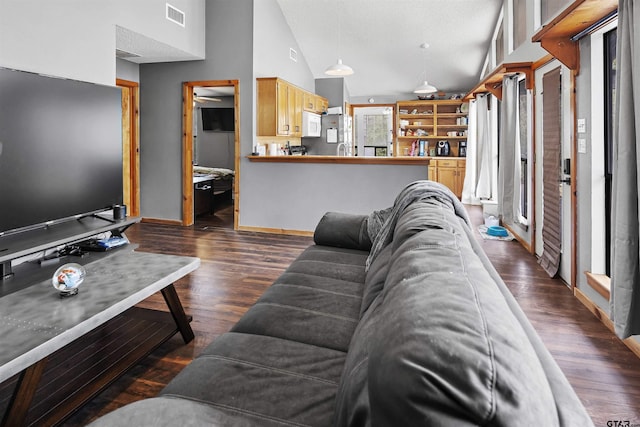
{"x": 210, "y": 147}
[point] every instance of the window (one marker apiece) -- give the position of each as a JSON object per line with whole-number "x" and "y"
{"x": 373, "y": 127}
{"x": 550, "y": 8}
{"x": 525, "y": 144}
{"x": 603, "y": 94}
{"x": 610, "y": 39}
{"x": 377, "y": 129}
{"x": 519, "y": 22}
{"x": 499, "y": 43}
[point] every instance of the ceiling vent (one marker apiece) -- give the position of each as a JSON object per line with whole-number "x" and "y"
{"x": 175, "y": 15}
{"x": 293, "y": 55}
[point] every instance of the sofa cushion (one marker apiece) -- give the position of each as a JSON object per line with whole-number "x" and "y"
{"x": 343, "y": 230}
{"x": 316, "y": 301}
{"x": 439, "y": 345}
{"x": 263, "y": 378}
{"x": 169, "y": 411}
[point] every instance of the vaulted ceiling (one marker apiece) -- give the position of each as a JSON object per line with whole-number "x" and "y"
{"x": 380, "y": 40}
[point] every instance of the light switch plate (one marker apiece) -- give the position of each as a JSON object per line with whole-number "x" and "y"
{"x": 582, "y": 125}
{"x": 582, "y": 145}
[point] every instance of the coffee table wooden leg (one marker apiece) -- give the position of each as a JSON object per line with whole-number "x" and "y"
{"x": 16, "y": 413}
{"x": 171, "y": 297}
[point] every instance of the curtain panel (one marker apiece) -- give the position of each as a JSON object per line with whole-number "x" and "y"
{"x": 625, "y": 263}
{"x": 509, "y": 154}
{"x": 477, "y": 180}
{"x": 471, "y": 168}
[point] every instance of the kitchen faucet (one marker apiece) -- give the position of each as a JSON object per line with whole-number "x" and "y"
{"x": 346, "y": 149}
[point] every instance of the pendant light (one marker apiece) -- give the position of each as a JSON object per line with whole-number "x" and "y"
{"x": 339, "y": 69}
{"x": 425, "y": 87}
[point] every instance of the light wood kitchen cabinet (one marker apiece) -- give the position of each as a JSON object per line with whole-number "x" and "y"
{"x": 450, "y": 172}
{"x": 280, "y": 105}
{"x": 314, "y": 103}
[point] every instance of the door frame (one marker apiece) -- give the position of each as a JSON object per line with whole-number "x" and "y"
{"x": 130, "y": 145}
{"x": 187, "y": 147}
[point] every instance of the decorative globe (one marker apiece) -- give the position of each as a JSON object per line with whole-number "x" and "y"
{"x": 67, "y": 278}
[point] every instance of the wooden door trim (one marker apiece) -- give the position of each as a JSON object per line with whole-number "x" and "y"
{"x": 131, "y": 148}
{"x": 187, "y": 147}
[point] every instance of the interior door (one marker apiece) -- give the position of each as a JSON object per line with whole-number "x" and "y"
{"x": 554, "y": 165}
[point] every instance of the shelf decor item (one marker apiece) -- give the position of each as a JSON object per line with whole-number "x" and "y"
{"x": 68, "y": 278}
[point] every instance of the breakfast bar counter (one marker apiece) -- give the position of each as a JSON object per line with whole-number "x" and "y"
{"x": 360, "y": 160}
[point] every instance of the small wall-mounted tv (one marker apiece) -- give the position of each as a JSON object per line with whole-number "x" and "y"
{"x": 218, "y": 119}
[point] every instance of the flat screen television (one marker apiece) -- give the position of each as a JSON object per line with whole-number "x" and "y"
{"x": 218, "y": 119}
{"x": 60, "y": 149}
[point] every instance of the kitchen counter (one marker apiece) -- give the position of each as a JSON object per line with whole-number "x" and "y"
{"x": 361, "y": 160}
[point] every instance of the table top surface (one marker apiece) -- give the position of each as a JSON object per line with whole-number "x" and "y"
{"x": 35, "y": 321}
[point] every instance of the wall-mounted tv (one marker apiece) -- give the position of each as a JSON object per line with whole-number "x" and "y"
{"x": 218, "y": 119}
{"x": 60, "y": 149}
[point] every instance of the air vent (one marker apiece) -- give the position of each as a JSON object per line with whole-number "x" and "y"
{"x": 293, "y": 55}
{"x": 175, "y": 15}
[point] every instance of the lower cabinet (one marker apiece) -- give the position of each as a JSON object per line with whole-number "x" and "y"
{"x": 450, "y": 172}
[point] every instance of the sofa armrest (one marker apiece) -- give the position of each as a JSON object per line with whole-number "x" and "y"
{"x": 343, "y": 230}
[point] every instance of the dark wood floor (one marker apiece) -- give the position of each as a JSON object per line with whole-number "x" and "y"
{"x": 238, "y": 266}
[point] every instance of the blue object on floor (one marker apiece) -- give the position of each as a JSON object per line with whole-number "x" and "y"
{"x": 497, "y": 231}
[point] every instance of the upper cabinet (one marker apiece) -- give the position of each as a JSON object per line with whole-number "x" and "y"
{"x": 315, "y": 103}
{"x": 280, "y": 105}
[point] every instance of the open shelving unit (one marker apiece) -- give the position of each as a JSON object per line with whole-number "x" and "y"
{"x": 430, "y": 121}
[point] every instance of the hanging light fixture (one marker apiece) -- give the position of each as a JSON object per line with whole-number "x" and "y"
{"x": 425, "y": 87}
{"x": 339, "y": 69}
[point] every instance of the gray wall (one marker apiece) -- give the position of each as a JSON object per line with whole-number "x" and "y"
{"x": 127, "y": 70}
{"x": 228, "y": 51}
{"x": 295, "y": 196}
{"x": 334, "y": 89}
{"x": 77, "y": 39}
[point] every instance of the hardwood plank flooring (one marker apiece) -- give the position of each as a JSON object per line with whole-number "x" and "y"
{"x": 237, "y": 267}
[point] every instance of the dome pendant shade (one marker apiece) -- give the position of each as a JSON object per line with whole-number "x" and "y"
{"x": 425, "y": 88}
{"x": 339, "y": 69}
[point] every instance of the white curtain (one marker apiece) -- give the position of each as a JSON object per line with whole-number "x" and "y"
{"x": 477, "y": 181}
{"x": 509, "y": 156}
{"x": 625, "y": 258}
{"x": 470, "y": 177}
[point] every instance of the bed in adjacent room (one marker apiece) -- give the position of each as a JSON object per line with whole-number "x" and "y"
{"x": 211, "y": 183}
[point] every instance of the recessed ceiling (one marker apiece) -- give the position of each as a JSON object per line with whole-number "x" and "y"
{"x": 380, "y": 40}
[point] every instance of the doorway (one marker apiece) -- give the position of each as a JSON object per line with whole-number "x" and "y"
{"x": 211, "y": 93}
{"x": 130, "y": 145}
{"x": 373, "y": 126}
{"x": 555, "y": 201}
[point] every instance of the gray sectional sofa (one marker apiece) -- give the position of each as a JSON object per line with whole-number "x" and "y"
{"x": 392, "y": 319}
